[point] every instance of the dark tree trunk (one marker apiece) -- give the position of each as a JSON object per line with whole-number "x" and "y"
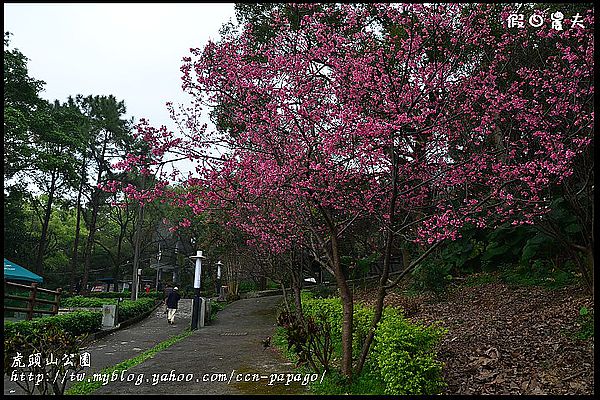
{"x": 77, "y": 227}
{"x": 345, "y": 294}
{"x": 116, "y": 273}
{"x": 347, "y": 307}
{"x": 95, "y": 208}
{"x": 136, "y": 250}
{"x": 39, "y": 262}
{"x": 387, "y": 257}
{"x": 91, "y": 239}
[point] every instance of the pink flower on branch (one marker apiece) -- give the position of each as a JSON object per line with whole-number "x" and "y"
{"x": 335, "y": 118}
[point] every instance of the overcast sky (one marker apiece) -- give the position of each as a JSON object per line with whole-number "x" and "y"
{"x": 132, "y": 51}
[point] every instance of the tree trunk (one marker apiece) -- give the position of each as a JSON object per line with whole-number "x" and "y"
{"x": 347, "y": 307}
{"x": 95, "y": 208}
{"x": 136, "y": 251}
{"x": 285, "y": 297}
{"x": 91, "y": 239}
{"x": 77, "y": 227}
{"x": 381, "y": 291}
{"x": 39, "y": 262}
{"x": 345, "y": 294}
{"x": 116, "y": 269}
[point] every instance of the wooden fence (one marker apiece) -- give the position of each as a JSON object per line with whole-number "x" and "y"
{"x": 32, "y": 300}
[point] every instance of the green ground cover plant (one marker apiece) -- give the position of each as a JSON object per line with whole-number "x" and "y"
{"x": 586, "y": 324}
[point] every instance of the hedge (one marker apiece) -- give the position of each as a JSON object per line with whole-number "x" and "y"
{"x": 129, "y": 309}
{"x": 80, "y": 322}
{"x": 113, "y": 295}
{"x": 76, "y": 323}
{"x": 81, "y": 301}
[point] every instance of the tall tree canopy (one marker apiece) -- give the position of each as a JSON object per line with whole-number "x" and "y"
{"x": 420, "y": 117}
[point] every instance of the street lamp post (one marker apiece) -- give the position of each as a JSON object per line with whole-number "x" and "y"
{"x": 219, "y": 263}
{"x": 158, "y": 256}
{"x": 197, "y": 301}
{"x": 137, "y": 283}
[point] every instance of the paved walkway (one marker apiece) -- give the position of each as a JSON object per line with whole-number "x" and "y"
{"x": 228, "y": 353}
{"x": 226, "y": 357}
{"x": 129, "y": 342}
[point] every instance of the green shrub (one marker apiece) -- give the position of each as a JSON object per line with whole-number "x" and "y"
{"x": 215, "y": 307}
{"x": 248, "y": 286}
{"x": 405, "y": 355}
{"x": 309, "y": 339}
{"x": 114, "y": 295}
{"x": 432, "y": 276}
{"x": 323, "y": 291}
{"x": 586, "y": 324}
{"x": 81, "y": 301}
{"x": 79, "y": 322}
{"x": 46, "y": 341}
{"x": 99, "y": 295}
{"x": 272, "y": 285}
{"x": 334, "y": 383}
{"x": 129, "y": 309}
{"x": 75, "y": 323}
{"x": 153, "y": 294}
{"x": 402, "y": 356}
{"x": 539, "y": 273}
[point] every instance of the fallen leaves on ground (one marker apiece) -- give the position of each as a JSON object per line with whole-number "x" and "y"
{"x": 507, "y": 340}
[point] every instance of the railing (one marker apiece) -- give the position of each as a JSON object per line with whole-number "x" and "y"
{"x": 32, "y": 300}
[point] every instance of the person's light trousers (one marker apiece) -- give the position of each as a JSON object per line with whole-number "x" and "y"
{"x": 171, "y": 314}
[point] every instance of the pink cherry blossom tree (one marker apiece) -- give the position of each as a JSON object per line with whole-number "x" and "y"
{"x": 416, "y": 117}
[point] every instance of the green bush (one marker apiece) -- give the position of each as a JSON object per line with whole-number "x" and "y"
{"x": 215, "y": 307}
{"x": 586, "y": 324}
{"x": 80, "y": 322}
{"x": 405, "y": 355}
{"x": 402, "y": 358}
{"x": 248, "y": 286}
{"x": 99, "y": 295}
{"x": 75, "y": 323}
{"x": 539, "y": 273}
{"x": 115, "y": 295}
{"x": 331, "y": 308}
{"x": 81, "y": 301}
{"x": 47, "y": 341}
{"x": 272, "y": 285}
{"x": 129, "y": 309}
{"x": 323, "y": 291}
{"x": 432, "y": 276}
{"x": 309, "y": 339}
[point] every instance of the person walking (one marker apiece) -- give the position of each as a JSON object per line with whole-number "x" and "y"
{"x": 172, "y": 302}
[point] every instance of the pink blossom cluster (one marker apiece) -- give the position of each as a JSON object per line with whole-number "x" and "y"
{"x": 424, "y": 110}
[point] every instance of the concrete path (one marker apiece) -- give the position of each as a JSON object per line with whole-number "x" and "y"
{"x": 226, "y": 357}
{"x": 129, "y": 342}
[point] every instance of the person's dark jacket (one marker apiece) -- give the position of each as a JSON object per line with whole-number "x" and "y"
{"x": 173, "y": 299}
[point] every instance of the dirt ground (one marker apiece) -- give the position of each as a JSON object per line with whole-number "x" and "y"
{"x": 508, "y": 340}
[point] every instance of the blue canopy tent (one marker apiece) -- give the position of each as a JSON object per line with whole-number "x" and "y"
{"x": 14, "y": 272}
